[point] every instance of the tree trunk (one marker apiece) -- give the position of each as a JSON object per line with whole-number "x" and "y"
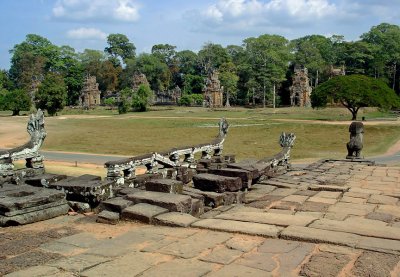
{"x": 264, "y": 95}
{"x": 316, "y": 80}
{"x": 15, "y": 112}
{"x": 394, "y": 75}
{"x": 274, "y": 100}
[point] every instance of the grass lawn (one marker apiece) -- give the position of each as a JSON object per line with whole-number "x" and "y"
{"x": 253, "y": 132}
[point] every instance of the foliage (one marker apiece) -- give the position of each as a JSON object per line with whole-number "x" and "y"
{"x": 142, "y": 98}
{"x": 15, "y": 100}
{"x": 120, "y": 47}
{"x": 191, "y": 100}
{"x": 52, "y": 94}
{"x": 193, "y": 84}
{"x": 123, "y": 104}
{"x": 354, "y": 92}
{"x": 229, "y": 79}
{"x": 110, "y": 102}
{"x": 156, "y": 71}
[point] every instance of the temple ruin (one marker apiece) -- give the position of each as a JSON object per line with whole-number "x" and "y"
{"x": 213, "y": 91}
{"x": 90, "y": 94}
{"x": 168, "y": 97}
{"x": 300, "y": 91}
{"x": 341, "y": 71}
{"x": 138, "y": 80}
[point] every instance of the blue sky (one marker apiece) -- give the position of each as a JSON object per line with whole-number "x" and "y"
{"x": 188, "y": 24}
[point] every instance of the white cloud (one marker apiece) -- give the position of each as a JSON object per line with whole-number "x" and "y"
{"x": 93, "y": 10}
{"x": 86, "y": 34}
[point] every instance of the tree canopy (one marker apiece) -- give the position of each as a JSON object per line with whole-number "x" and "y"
{"x": 354, "y": 92}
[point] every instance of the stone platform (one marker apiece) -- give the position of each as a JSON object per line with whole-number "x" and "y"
{"x": 332, "y": 218}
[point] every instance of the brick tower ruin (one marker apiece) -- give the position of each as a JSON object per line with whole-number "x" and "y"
{"x": 90, "y": 94}
{"x": 300, "y": 91}
{"x": 213, "y": 91}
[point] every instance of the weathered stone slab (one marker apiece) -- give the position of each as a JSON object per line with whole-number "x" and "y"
{"x": 325, "y": 264}
{"x": 44, "y": 180}
{"x": 375, "y": 264}
{"x": 389, "y": 209}
{"x": 164, "y": 185}
{"x": 233, "y": 226}
{"x": 261, "y": 261}
{"x": 268, "y": 218}
{"x": 353, "y": 209}
{"x": 211, "y": 199}
{"x": 171, "y": 202}
{"x": 239, "y": 270}
{"x": 142, "y": 212}
{"x": 34, "y": 216}
{"x": 86, "y": 188}
{"x": 244, "y": 243}
{"x": 174, "y": 219}
{"x": 23, "y": 197}
{"x": 108, "y": 217}
{"x": 319, "y": 236}
{"x": 216, "y": 183}
{"x": 359, "y": 228}
{"x": 383, "y": 199}
{"x": 116, "y": 204}
{"x": 78, "y": 263}
{"x": 178, "y": 267}
{"x": 222, "y": 255}
{"x": 245, "y": 175}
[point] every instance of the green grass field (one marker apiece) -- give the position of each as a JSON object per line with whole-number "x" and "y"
{"x": 252, "y": 133}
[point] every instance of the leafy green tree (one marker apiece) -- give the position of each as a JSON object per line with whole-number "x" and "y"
{"x": 15, "y": 100}
{"x": 142, "y": 98}
{"x": 156, "y": 71}
{"x": 52, "y": 94}
{"x": 269, "y": 57}
{"x": 229, "y": 80}
{"x": 211, "y": 56}
{"x": 354, "y": 92}
{"x": 119, "y": 46}
{"x": 193, "y": 84}
{"x": 187, "y": 62}
{"x": 165, "y": 52}
{"x": 123, "y": 104}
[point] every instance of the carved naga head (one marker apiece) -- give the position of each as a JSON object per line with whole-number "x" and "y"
{"x": 223, "y": 127}
{"x": 287, "y": 140}
{"x": 35, "y": 126}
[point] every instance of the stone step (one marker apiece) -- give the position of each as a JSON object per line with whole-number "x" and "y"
{"x": 245, "y": 175}
{"x": 164, "y": 185}
{"x": 248, "y": 228}
{"x": 171, "y": 202}
{"x": 142, "y": 212}
{"x": 44, "y": 180}
{"x": 174, "y": 219}
{"x": 108, "y": 217}
{"x": 216, "y": 183}
{"x": 116, "y": 204}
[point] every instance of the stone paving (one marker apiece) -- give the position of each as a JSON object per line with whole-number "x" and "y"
{"x": 333, "y": 218}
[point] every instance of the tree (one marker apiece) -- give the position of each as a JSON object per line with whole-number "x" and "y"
{"x": 211, "y": 56}
{"x": 52, "y": 94}
{"x": 165, "y": 52}
{"x": 123, "y": 104}
{"x": 354, "y": 92}
{"x": 193, "y": 84}
{"x": 120, "y": 47}
{"x": 16, "y": 100}
{"x": 142, "y": 98}
{"x": 156, "y": 71}
{"x": 229, "y": 80}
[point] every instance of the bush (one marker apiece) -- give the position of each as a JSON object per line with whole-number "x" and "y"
{"x": 191, "y": 99}
{"x": 142, "y": 98}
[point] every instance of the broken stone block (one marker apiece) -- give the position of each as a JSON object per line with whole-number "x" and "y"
{"x": 116, "y": 204}
{"x": 126, "y": 191}
{"x": 108, "y": 217}
{"x": 211, "y": 199}
{"x": 171, "y": 202}
{"x": 142, "y": 212}
{"x": 79, "y": 207}
{"x": 164, "y": 185}
{"x": 203, "y": 163}
{"x": 174, "y": 219}
{"x": 44, "y": 180}
{"x": 245, "y": 175}
{"x": 230, "y": 158}
{"x": 197, "y": 208}
{"x": 216, "y": 183}
{"x": 86, "y": 188}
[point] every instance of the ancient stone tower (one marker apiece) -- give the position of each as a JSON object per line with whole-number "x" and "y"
{"x": 213, "y": 92}
{"x": 139, "y": 79}
{"x": 300, "y": 91}
{"x": 90, "y": 94}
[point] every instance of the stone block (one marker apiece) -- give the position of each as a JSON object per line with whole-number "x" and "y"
{"x": 204, "y": 163}
{"x": 211, "y": 199}
{"x": 216, "y": 183}
{"x": 116, "y": 204}
{"x": 239, "y": 270}
{"x": 108, "y": 217}
{"x": 222, "y": 255}
{"x": 233, "y": 226}
{"x": 174, "y": 219}
{"x": 245, "y": 175}
{"x": 142, "y": 212}
{"x": 164, "y": 185}
{"x": 44, "y": 180}
{"x": 197, "y": 208}
{"x": 171, "y": 202}
{"x": 383, "y": 199}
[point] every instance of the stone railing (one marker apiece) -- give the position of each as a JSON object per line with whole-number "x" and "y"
{"x": 184, "y": 156}
{"x": 28, "y": 151}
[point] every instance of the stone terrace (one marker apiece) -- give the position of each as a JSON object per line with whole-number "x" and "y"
{"x": 333, "y": 218}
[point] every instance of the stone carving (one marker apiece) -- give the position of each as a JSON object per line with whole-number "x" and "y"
{"x": 138, "y": 80}
{"x": 355, "y": 145}
{"x": 90, "y": 95}
{"x": 125, "y": 169}
{"x": 337, "y": 71}
{"x": 168, "y": 97}
{"x": 28, "y": 151}
{"x": 213, "y": 92}
{"x": 300, "y": 91}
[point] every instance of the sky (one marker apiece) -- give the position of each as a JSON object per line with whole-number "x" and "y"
{"x": 187, "y": 24}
